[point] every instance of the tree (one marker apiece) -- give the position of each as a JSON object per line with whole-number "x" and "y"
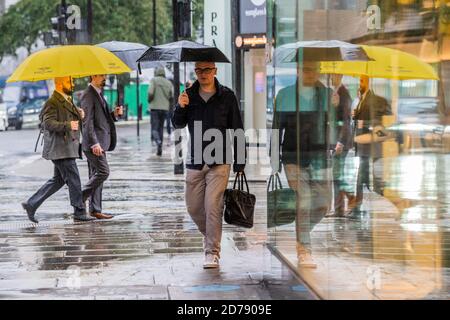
{"x": 120, "y": 20}
{"x": 23, "y": 24}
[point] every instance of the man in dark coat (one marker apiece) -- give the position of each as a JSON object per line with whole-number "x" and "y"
{"x": 368, "y": 115}
{"x": 210, "y": 108}
{"x": 61, "y": 124}
{"x": 99, "y": 136}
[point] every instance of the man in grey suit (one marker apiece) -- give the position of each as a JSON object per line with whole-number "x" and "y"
{"x": 61, "y": 125}
{"x": 99, "y": 136}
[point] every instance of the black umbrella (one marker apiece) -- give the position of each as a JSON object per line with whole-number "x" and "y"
{"x": 329, "y": 50}
{"x": 183, "y": 51}
{"x": 129, "y": 52}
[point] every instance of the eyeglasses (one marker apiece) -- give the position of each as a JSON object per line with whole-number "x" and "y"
{"x": 204, "y": 70}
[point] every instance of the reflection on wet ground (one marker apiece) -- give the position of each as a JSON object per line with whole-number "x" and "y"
{"x": 151, "y": 250}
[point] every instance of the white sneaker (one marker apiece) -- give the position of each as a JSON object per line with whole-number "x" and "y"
{"x": 211, "y": 261}
{"x": 305, "y": 260}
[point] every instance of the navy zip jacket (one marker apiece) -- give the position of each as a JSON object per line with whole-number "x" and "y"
{"x": 221, "y": 112}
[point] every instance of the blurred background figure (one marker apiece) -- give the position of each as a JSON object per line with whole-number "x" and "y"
{"x": 160, "y": 98}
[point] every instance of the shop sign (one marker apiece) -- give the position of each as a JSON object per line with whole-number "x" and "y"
{"x": 253, "y": 16}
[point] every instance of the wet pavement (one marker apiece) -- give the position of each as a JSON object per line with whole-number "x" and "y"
{"x": 151, "y": 250}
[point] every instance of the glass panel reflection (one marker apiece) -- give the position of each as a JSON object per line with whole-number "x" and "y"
{"x": 361, "y": 206}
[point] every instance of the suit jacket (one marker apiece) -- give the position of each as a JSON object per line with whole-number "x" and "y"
{"x": 371, "y": 111}
{"x": 98, "y": 124}
{"x": 60, "y": 142}
{"x": 344, "y": 118}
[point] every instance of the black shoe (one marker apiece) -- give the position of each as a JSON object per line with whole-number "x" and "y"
{"x": 336, "y": 214}
{"x": 355, "y": 214}
{"x": 83, "y": 218}
{"x": 30, "y": 212}
{"x": 159, "y": 153}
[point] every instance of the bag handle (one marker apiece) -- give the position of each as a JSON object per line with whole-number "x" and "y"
{"x": 275, "y": 182}
{"x": 241, "y": 178}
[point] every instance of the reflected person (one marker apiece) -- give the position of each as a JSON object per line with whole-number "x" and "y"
{"x": 342, "y": 102}
{"x": 368, "y": 116}
{"x": 303, "y": 147}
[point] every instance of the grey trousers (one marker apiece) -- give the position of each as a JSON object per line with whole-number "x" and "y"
{"x": 204, "y": 200}
{"x": 65, "y": 173}
{"x": 98, "y": 174}
{"x": 158, "y": 118}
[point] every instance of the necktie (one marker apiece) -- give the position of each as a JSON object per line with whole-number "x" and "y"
{"x": 104, "y": 103}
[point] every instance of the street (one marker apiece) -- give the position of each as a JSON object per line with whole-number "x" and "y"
{"x": 151, "y": 250}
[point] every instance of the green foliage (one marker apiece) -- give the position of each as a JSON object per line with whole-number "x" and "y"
{"x": 23, "y": 24}
{"x": 120, "y": 20}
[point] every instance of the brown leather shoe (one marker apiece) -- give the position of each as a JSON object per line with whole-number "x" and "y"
{"x": 102, "y": 216}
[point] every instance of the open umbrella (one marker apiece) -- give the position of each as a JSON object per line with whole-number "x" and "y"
{"x": 183, "y": 51}
{"x": 129, "y": 53}
{"x": 385, "y": 63}
{"x": 329, "y": 50}
{"x": 68, "y": 61}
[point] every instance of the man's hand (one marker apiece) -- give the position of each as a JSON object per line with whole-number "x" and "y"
{"x": 183, "y": 100}
{"x": 118, "y": 112}
{"x": 339, "y": 149}
{"x": 97, "y": 150}
{"x": 82, "y": 114}
{"x": 75, "y": 125}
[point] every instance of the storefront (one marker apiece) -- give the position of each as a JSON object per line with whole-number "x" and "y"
{"x": 250, "y": 61}
{"x": 363, "y": 213}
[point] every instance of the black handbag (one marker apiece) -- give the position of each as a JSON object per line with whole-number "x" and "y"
{"x": 239, "y": 204}
{"x": 281, "y": 203}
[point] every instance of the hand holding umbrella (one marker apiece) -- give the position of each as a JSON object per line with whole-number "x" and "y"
{"x": 183, "y": 100}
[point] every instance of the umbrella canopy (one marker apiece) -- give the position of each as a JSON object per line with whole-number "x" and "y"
{"x": 330, "y": 50}
{"x": 385, "y": 63}
{"x": 129, "y": 53}
{"x": 183, "y": 51}
{"x": 68, "y": 61}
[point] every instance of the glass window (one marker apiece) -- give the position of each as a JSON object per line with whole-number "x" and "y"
{"x": 358, "y": 201}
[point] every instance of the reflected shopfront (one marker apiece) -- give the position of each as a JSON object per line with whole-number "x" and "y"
{"x": 361, "y": 206}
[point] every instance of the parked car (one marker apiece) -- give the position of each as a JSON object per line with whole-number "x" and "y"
{"x": 28, "y": 114}
{"x": 16, "y": 94}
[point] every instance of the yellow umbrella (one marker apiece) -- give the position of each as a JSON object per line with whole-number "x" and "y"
{"x": 387, "y": 63}
{"x": 68, "y": 61}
